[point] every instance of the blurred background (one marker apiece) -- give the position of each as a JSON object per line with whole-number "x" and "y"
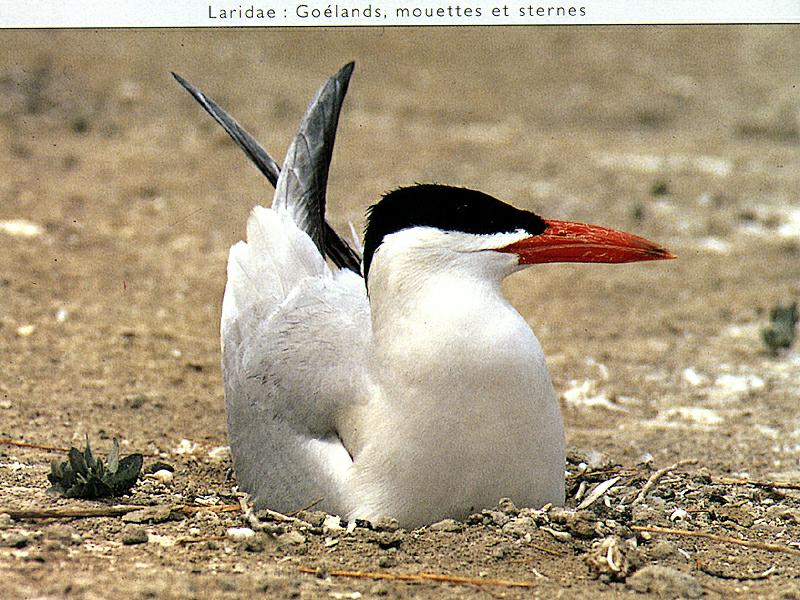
{"x": 120, "y": 198}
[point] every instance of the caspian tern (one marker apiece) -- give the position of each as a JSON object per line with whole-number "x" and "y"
{"x": 402, "y": 383}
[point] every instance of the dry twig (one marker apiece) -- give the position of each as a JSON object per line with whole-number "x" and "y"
{"x": 256, "y": 523}
{"x": 294, "y": 513}
{"x": 708, "y": 570}
{"x": 653, "y": 479}
{"x": 455, "y": 580}
{"x": 765, "y": 484}
{"x": 718, "y": 538}
{"x": 10, "y": 442}
{"x": 68, "y": 512}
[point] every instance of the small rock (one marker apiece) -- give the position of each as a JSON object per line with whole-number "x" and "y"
{"x": 507, "y": 506}
{"x": 134, "y": 534}
{"x": 163, "y": 476}
{"x": 6, "y": 521}
{"x": 64, "y": 534}
{"x": 664, "y": 582}
{"x": 239, "y": 534}
{"x": 497, "y": 517}
{"x": 151, "y": 514}
{"x": 519, "y": 527}
{"x": 450, "y": 525}
{"x": 386, "y": 524}
{"x": 292, "y": 538}
{"x": 315, "y": 518}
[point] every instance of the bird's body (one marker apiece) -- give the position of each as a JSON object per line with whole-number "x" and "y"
{"x": 412, "y": 390}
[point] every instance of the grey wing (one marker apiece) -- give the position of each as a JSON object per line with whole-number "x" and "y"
{"x": 287, "y": 386}
{"x": 293, "y": 333}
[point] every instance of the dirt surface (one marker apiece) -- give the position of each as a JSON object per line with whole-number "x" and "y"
{"x": 119, "y": 199}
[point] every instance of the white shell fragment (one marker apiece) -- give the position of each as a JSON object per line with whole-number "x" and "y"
{"x": 21, "y": 228}
{"x": 598, "y": 492}
{"x": 238, "y": 534}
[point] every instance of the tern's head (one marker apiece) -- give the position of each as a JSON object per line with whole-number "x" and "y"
{"x": 450, "y": 222}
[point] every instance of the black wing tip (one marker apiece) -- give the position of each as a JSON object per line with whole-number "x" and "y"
{"x": 181, "y": 80}
{"x": 196, "y": 93}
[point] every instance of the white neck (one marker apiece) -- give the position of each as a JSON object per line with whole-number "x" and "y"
{"x": 462, "y": 374}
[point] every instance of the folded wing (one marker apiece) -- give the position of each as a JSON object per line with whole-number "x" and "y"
{"x": 293, "y": 331}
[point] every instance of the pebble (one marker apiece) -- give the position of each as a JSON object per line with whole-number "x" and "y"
{"x": 664, "y": 582}
{"x": 497, "y": 517}
{"x": 239, "y": 534}
{"x": 315, "y": 518}
{"x": 292, "y": 538}
{"x": 64, "y": 534}
{"x": 508, "y": 507}
{"x": 450, "y": 525}
{"x": 151, "y": 514}
{"x": 520, "y": 527}
{"x": 386, "y": 524}
{"x": 21, "y": 228}
{"x": 580, "y": 523}
{"x": 163, "y": 476}
{"x": 6, "y": 521}
{"x": 134, "y": 534}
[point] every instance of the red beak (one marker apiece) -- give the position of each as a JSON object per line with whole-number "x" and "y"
{"x": 564, "y": 241}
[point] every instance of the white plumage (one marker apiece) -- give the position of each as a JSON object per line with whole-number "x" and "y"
{"x": 430, "y": 399}
{"x": 425, "y": 397}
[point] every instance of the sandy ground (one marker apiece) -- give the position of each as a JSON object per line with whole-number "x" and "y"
{"x": 119, "y": 199}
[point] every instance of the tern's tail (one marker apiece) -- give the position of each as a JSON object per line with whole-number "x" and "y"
{"x": 300, "y": 185}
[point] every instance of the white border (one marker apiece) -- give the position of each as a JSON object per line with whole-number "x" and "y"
{"x": 294, "y": 13}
